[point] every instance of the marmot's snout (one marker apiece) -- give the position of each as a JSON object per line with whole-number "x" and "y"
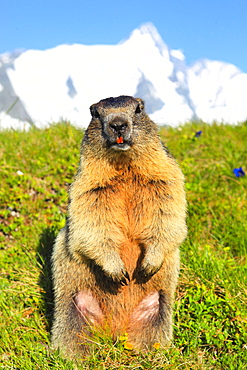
{"x": 119, "y": 126}
{"x": 118, "y": 130}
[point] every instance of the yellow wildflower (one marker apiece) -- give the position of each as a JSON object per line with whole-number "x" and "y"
{"x": 123, "y": 337}
{"x": 128, "y": 345}
{"x": 156, "y": 345}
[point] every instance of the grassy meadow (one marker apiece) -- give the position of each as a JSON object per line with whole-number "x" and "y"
{"x": 210, "y": 312}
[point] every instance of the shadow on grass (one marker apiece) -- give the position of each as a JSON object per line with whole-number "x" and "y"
{"x": 44, "y": 252}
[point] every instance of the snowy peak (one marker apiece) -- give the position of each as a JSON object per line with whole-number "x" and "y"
{"x": 214, "y": 66}
{"x": 62, "y": 82}
{"x": 222, "y": 92}
{"x": 10, "y": 103}
{"x": 148, "y": 30}
{"x": 147, "y": 37}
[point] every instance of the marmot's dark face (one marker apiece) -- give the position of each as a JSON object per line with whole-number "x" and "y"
{"x": 118, "y": 117}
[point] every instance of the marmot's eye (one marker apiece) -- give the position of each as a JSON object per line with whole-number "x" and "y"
{"x": 138, "y": 109}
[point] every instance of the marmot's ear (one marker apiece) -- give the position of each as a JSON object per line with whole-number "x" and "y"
{"x": 94, "y": 111}
{"x": 141, "y": 105}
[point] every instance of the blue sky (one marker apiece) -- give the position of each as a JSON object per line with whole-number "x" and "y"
{"x": 214, "y": 29}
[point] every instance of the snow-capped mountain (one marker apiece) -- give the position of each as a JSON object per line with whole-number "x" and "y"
{"x": 41, "y": 87}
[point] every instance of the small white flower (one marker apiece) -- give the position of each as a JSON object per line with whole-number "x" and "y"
{"x": 19, "y": 173}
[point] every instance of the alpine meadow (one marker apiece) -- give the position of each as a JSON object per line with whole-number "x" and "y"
{"x": 210, "y": 311}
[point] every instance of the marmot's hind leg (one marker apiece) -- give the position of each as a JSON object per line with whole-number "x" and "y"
{"x": 150, "y": 322}
{"x": 76, "y": 311}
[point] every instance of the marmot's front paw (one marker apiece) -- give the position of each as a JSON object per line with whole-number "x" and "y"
{"x": 122, "y": 279}
{"x": 116, "y": 270}
{"x": 146, "y": 272}
{"x": 149, "y": 267}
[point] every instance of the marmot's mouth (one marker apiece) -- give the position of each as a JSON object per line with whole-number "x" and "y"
{"x": 121, "y": 144}
{"x": 120, "y": 140}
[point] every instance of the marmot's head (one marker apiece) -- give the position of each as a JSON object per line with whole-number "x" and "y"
{"x": 120, "y": 120}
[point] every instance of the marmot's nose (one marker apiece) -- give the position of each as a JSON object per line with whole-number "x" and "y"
{"x": 118, "y": 127}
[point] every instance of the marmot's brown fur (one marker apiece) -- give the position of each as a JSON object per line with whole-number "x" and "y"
{"x": 116, "y": 261}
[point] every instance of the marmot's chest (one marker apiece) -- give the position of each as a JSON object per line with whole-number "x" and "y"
{"x": 135, "y": 205}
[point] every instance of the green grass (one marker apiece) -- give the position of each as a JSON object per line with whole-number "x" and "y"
{"x": 210, "y": 313}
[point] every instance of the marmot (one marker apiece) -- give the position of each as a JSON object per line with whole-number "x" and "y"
{"x": 116, "y": 261}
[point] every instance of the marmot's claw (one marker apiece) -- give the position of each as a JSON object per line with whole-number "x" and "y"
{"x": 124, "y": 280}
{"x": 144, "y": 274}
{"x": 127, "y": 276}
